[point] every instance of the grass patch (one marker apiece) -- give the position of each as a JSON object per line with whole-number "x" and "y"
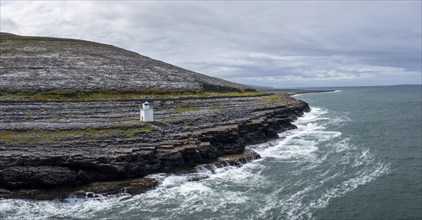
{"x": 215, "y": 107}
{"x": 130, "y": 132}
{"x": 274, "y": 98}
{"x": 69, "y": 95}
{"x": 25, "y": 136}
{"x": 38, "y": 136}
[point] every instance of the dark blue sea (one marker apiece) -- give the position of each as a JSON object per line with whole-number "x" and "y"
{"x": 356, "y": 155}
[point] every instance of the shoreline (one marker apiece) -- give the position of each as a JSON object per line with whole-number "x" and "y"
{"x": 44, "y": 170}
{"x": 328, "y": 91}
{"x": 130, "y": 186}
{"x": 295, "y": 92}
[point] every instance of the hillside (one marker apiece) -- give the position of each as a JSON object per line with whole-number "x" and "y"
{"x": 67, "y": 66}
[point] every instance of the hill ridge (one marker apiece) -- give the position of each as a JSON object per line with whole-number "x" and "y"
{"x": 35, "y": 64}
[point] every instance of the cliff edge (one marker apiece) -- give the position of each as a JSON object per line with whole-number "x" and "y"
{"x": 69, "y": 118}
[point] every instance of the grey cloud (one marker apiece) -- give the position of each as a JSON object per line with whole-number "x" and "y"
{"x": 269, "y": 43}
{"x": 8, "y": 24}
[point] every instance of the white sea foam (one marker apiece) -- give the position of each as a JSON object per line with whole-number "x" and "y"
{"x": 346, "y": 186}
{"x": 305, "y": 147}
{"x": 303, "y": 141}
{"x": 341, "y": 145}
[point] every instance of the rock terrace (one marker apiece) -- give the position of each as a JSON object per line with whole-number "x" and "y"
{"x": 69, "y": 118}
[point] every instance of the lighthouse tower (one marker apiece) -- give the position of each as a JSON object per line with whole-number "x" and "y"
{"x": 146, "y": 113}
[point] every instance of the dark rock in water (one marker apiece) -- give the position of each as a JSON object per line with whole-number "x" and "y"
{"x": 131, "y": 186}
{"x": 92, "y": 190}
{"x": 65, "y": 144}
{"x": 239, "y": 159}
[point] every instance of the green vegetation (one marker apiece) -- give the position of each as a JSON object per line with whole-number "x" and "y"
{"x": 38, "y": 136}
{"x": 274, "y": 98}
{"x": 215, "y": 107}
{"x": 69, "y": 95}
{"x": 25, "y": 136}
{"x": 130, "y": 132}
{"x": 35, "y": 39}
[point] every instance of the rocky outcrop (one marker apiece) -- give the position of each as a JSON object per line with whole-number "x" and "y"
{"x": 36, "y": 177}
{"x": 49, "y": 146}
{"x": 179, "y": 140}
{"x": 132, "y": 186}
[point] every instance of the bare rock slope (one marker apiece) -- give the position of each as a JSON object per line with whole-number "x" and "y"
{"x": 42, "y": 63}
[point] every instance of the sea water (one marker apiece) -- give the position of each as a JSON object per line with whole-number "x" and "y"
{"x": 356, "y": 155}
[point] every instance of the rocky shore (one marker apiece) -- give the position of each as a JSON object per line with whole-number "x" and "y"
{"x": 69, "y": 119}
{"x": 116, "y": 146}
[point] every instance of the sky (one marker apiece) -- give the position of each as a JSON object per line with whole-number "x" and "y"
{"x": 282, "y": 44}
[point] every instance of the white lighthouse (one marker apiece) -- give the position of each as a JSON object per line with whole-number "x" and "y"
{"x": 147, "y": 113}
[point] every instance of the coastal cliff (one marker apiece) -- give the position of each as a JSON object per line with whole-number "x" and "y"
{"x": 68, "y": 125}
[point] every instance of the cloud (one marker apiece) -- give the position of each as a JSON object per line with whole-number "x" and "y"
{"x": 270, "y": 43}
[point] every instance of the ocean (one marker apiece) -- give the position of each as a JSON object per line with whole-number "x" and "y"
{"x": 356, "y": 155}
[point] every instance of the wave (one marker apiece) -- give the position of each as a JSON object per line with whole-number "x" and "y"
{"x": 330, "y": 164}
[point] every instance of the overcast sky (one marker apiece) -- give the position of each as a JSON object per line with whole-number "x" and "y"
{"x": 273, "y": 43}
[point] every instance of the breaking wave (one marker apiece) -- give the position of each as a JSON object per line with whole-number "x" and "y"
{"x": 298, "y": 174}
